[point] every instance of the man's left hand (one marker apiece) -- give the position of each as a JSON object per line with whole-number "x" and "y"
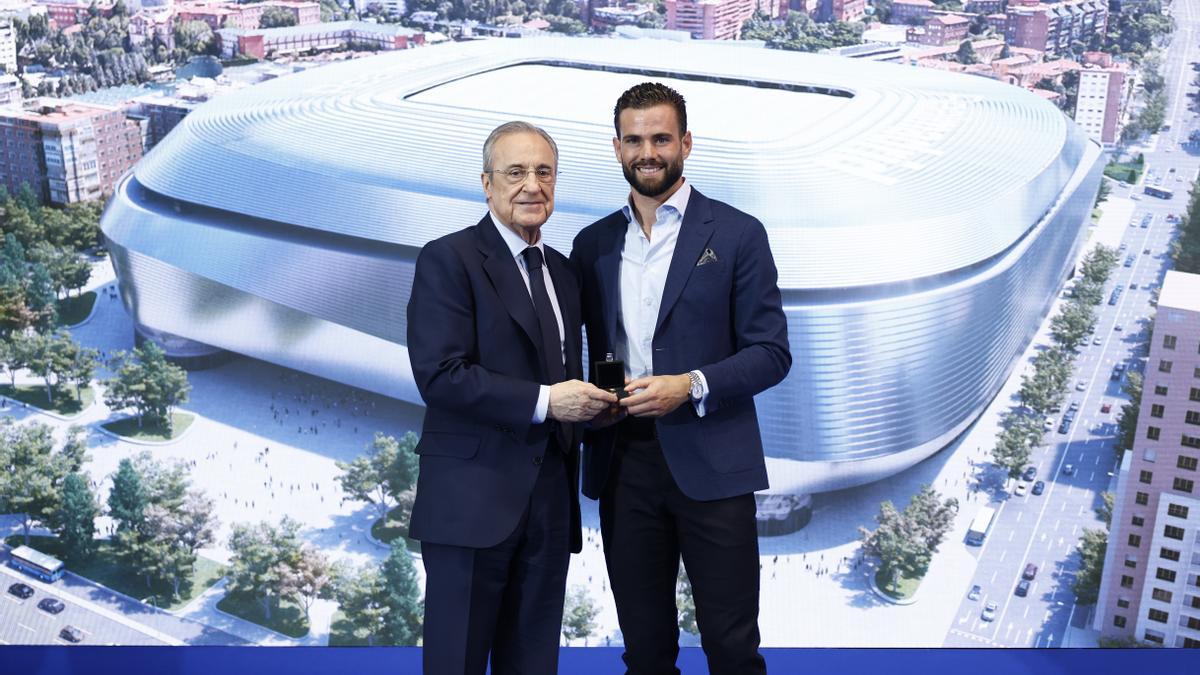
{"x": 659, "y": 395}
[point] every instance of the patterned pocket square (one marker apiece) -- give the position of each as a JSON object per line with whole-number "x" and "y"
{"x": 708, "y": 257}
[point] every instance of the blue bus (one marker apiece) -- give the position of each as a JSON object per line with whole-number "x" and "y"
{"x": 36, "y": 563}
{"x": 980, "y": 526}
{"x": 1159, "y": 191}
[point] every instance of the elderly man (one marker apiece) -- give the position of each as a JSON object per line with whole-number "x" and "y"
{"x": 495, "y": 345}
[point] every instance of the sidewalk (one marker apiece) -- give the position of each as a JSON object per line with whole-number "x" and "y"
{"x": 203, "y": 609}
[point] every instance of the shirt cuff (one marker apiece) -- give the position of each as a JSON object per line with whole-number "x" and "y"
{"x": 543, "y": 403}
{"x": 699, "y": 405}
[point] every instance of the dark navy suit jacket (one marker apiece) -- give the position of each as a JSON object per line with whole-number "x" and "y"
{"x": 724, "y": 317}
{"x": 473, "y": 342}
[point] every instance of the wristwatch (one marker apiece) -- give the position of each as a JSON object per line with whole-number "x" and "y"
{"x": 697, "y": 390}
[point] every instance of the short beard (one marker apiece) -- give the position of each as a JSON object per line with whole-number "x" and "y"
{"x": 671, "y": 174}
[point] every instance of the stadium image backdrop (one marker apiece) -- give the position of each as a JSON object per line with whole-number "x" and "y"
{"x": 922, "y": 221}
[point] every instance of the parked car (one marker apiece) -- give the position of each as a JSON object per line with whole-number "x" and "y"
{"x": 989, "y": 611}
{"x": 1117, "y": 372}
{"x": 51, "y": 605}
{"x": 1129, "y": 261}
{"x": 1074, "y": 405}
{"x": 1118, "y": 328}
{"x": 1081, "y": 385}
{"x": 1022, "y": 588}
{"x": 71, "y": 634}
{"x": 1021, "y": 489}
{"x": 1039, "y": 487}
{"x": 1096, "y": 340}
{"x": 1030, "y": 572}
{"x": 1106, "y": 407}
{"x": 1048, "y": 424}
{"x": 1030, "y": 472}
{"x": 976, "y": 591}
{"x": 21, "y": 590}
{"x": 1069, "y": 469}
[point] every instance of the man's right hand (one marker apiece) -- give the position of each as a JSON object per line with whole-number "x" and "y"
{"x": 578, "y": 401}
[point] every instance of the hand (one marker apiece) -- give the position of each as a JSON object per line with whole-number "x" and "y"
{"x": 659, "y": 395}
{"x": 610, "y": 416}
{"x": 576, "y": 401}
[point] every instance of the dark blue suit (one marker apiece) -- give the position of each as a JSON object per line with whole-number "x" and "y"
{"x": 725, "y": 318}
{"x": 497, "y": 507}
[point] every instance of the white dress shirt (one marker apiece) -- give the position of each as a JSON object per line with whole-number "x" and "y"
{"x": 516, "y": 245}
{"x": 644, "y": 266}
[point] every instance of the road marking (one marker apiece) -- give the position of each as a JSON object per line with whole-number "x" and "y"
{"x": 1002, "y": 554}
{"x": 26, "y": 627}
{"x": 1019, "y": 516}
{"x": 1025, "y": 614}
{"x": 971, "y": 636}
{"x": 994, "y": 576}
{"x": 1056, "y": 524}
{"x": 1062, "y": 506}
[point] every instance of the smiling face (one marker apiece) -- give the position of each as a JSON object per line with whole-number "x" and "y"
{"x": 651, "y": 149}
{"x": 524, "y": 205}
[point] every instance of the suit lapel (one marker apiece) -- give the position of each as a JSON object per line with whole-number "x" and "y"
{"x": 694, "y": 233}
{"x": 608, "y": 274}
{"x": 501, "y": 269}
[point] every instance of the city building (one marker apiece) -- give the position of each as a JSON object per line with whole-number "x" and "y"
{"x": 21, "y": 9}
{"x": 1150, "y": 588}
{"x": 67, "y": 151}
{"x": 984, "y": 6}
{"x": 942, "y": 30}
{"x": 912, "y": 12}
{"x": 296, "y": 207}
{"x": 66, "y": 14}
{"x": 151, "y": 22}
{"x": 247, "y": 16}
{"x": 265, "y": 42}
{"x": 848, "y": 10}
{"x": 1101, "y": 97}
{"x": 10, "y": 91}
{"x": 621, "y": 15}
{"x": 709, "y": 19}
{"x": 1052, "y": 28}
{"x": 8, "y": 47}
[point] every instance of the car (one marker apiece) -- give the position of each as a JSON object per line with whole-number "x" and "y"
{"x": 21, "y": 590}
{"x": 1133, "y": 286}
{"x": 1030, "y": 572}
{"x": 1081, "y": 385}
{"x": 976, "y": 591}
{"x": 1117, "y": 371}
{"x": 1048, "y": 424}
{"x": 1030, "y": 473}
{"x": 1039, "y": 487}
{"x": 1065, "y": 426}
{"x": 1118, "y": 328}
{"x": 71, "y": 634}
{"x": 1106, "y": 407}
{"x": 1096, "y": 340}
{"x": 1074, "y": 405}
{"x": 1145, "y": 224}
{"x": 989, "y": 611}
{"x": 1146, "y": 251}
{"x": 1069, "y": 470}
{"x": 51, "y": 605}
{"x": 1022, "y": 588}
{"x": 1172, "y": 169}
{"x": 1129, "y": 261}
{"x": 1135, "y": 197}
{"x": 1021, "y": 489}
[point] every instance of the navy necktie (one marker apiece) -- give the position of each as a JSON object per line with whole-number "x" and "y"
{"x": 552, "y": 363}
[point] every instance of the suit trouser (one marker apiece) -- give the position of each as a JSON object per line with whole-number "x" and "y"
{"x": 506, "y": 600}
{"x": 647, "y": 524}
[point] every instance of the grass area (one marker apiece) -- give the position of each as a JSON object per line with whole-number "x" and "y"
{"x": 64, "y": 402}
{"x": 905, "y": 588}
{"x": 1130, "y": 172}
{"x": 1096, "y": 213}
{"x": 387, "y": 530}
{"x": 128, "y": 428}
{"x": 107, "y": 569}
{"x": 341, "y": 632}
{"x": 288, "y": 618}
{"x": 72, "y": 311}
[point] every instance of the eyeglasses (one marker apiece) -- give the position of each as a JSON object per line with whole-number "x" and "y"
{"x": 516, "y": 174}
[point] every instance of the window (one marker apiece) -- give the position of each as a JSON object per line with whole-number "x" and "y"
{"x": 1183, "y": 485}
{"x": 1127, "y": 581}
{"x": 1135, "y": 540}
{"x": 1193, "y": 394}
{"x": 1158, "y": 615}
{"x": 1141, "y": 498}
{"x": 1191, "y": 601}
{"x": 1156, "y": 410}
{"x": 1196, "y": 372}
{"x": 1160, "y": 390}
{"x": 1118, "y": 621}
{"x": 1177, "y": 510}
{"x": 1168, "y": 342}
{"x": 1172, "y": 532}
{"x": 1165, "y": 574}
{"x": 1190, "y": 441}
{"x": 1192, "y": 417}
{"x": 1186, "y": 462}
{"x": 1193, "y": 623}
{"x": 1164, "y": 366}
{"x": 1137, "y": 521}
{"x": 1152, "y": 433}
{"x": 1154, "y": 636}
{"x": 1145, "y": 476}
{"x": 1123, "y": 603}
{"x": 1161, "y": 594}
{"x": 1169, "y": 554}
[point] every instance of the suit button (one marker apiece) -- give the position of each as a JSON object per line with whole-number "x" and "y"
{"x": 537, "y": 460}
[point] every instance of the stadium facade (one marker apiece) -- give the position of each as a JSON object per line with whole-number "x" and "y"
{"x": 922, "y": 221}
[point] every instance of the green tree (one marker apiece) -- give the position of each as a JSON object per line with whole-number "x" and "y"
{"x": 579, "y": 615}
{"x": 127, "y": 500}
{"x": 898, "y": 550}
{"x": 176, "y": 531}
{"x": 263, "y": 559}
{"x": 274, "y": 17}
{"x": 359, "y": 595}
{"x": 1069, "y": 328}
{"x": 75, "y": 518}
{"x": 966, "y": 54}
{"x": 309, "y": 579}
{"x": 33, "y": 471}
{"x": 1091, "y": 551}
{"x": 148, "y": 383}
{"x": 1015, "y": 442}
{"x": 379, "y": 477}
{"x": 1128, "y": 419}
{"x": 931, "y": 516}
{"x": 1105, "y": 510}
{"x": 401, "y": 596}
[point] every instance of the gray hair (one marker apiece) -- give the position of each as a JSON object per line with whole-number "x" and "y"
{"x": 509, "y": 128}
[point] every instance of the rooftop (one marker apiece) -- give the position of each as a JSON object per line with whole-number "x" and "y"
{"x": 1180, "y": 290}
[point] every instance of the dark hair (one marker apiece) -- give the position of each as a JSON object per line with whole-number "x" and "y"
{"x": 648, "y": 95}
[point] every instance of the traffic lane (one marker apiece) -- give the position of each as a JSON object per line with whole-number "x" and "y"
{"x": 23, "y": 623}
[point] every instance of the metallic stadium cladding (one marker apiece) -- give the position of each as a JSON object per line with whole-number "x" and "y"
{"x": 922, "y": 222}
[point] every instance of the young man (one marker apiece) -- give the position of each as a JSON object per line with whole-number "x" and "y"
{"x": 494, "y": 341}
{"x": 683, "y": 289}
